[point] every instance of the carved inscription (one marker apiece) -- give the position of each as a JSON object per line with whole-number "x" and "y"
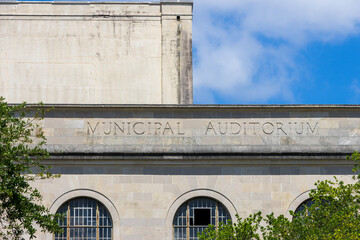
{"x": 262, "y": 128}
{"x": 211, "y": 128}
{"x": 134, "y": 128}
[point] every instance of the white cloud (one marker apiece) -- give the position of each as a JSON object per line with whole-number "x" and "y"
{"x": 245, "y": 49}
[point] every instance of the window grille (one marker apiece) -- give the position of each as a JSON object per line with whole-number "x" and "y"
{"x": 194, "y": 216}
{"x": 84, "y": 219}
{"x": 303, "y": 207}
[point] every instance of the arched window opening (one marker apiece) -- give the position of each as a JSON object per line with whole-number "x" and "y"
{"x": 195, "y": 215}
{"x": 84, "y": 219}
{"x": 303, "y": 207}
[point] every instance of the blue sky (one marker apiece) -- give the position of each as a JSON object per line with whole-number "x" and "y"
{"x": 276, "y": 52}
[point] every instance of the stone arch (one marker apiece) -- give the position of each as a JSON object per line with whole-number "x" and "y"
{"x": 76, "y": 193}
{"x": 296, "y": 203}
{"x": 209, "y": 193}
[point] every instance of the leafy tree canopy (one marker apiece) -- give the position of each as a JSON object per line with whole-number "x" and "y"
{"x": 334, "y": 215}
{"x": 21, "y": 153}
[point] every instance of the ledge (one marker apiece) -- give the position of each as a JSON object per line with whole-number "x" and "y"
{"x": 274, "y": 158}
{"x": 167, "y": 107}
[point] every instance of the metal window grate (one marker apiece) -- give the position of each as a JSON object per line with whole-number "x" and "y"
{"x": 184, "y": 223}
{"x": 84, "y": 219}
{"x": 302, "y": 208}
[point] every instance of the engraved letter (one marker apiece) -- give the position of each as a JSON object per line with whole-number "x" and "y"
{"x": 290, "y": 130}
{"x": 117, "y": 126}
{"x": 134, "y": 128}
{"x": 179, "y": 132}
{"x": 280, "y": 127}
{"x": 157, "y": 127}
{"x": 128, "y": 124}
{"x": 231, "y": 128}
{"x": 167, "y": 127}
{"x": 302, "y": 128}
{"x": 91, "y": 129}
{"x": 316, "y": 127}
{"x": 254, "y": 123}
{"x": 107, "y": 133}
{"x": 209, "y": 127}
{"x": 268, "y": 128}
{"x": 149, "y": 123}
{"x": 223, "y": 133}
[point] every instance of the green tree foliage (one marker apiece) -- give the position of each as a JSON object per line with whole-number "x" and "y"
{"x": 334, "y": 215}
{"x": 21, "y": 153}
{"x": 243, "y": 229}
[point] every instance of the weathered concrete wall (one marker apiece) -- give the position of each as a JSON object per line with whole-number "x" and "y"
{"x": 96, "y": 53}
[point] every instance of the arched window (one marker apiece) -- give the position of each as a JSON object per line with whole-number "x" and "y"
{"x": 304, "y": 205}
{"x": 84, "y": 219}
{"x": 195, "y": 215}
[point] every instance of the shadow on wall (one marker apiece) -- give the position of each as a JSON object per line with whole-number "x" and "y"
{"x": 213, "y": 170}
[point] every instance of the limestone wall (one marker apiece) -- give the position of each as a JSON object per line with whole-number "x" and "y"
{"x": 96, "y": 53}
{"x": 143, "y": 199}
{"x": 143, "y": 162}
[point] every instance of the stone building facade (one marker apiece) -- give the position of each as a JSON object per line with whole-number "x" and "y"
{"x": 138, "y": 161}
{"x": 95, "y": 53}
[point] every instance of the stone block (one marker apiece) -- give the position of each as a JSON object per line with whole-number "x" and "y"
{"x": 162, "y": 179}
{"x": 174, "y": 189}
{"x": 280, "y": 179}
{"x": 270, "y": 187}
{"x": 132, "y": 188}
{"x": 242, "y": 179}
{"x": 142, "y": 179}
{"x": 122, "y": 179}
{"x": 142, "y": 197}
{"x": 282, "y": 196}
{"x": 261, "y": 179}
{"x": 261, "y": 195}
{"x": 251, "y": 187}
{"x": 271, "y": 205}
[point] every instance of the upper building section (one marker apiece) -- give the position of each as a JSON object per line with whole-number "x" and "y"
{"x": 96, "y": 52}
